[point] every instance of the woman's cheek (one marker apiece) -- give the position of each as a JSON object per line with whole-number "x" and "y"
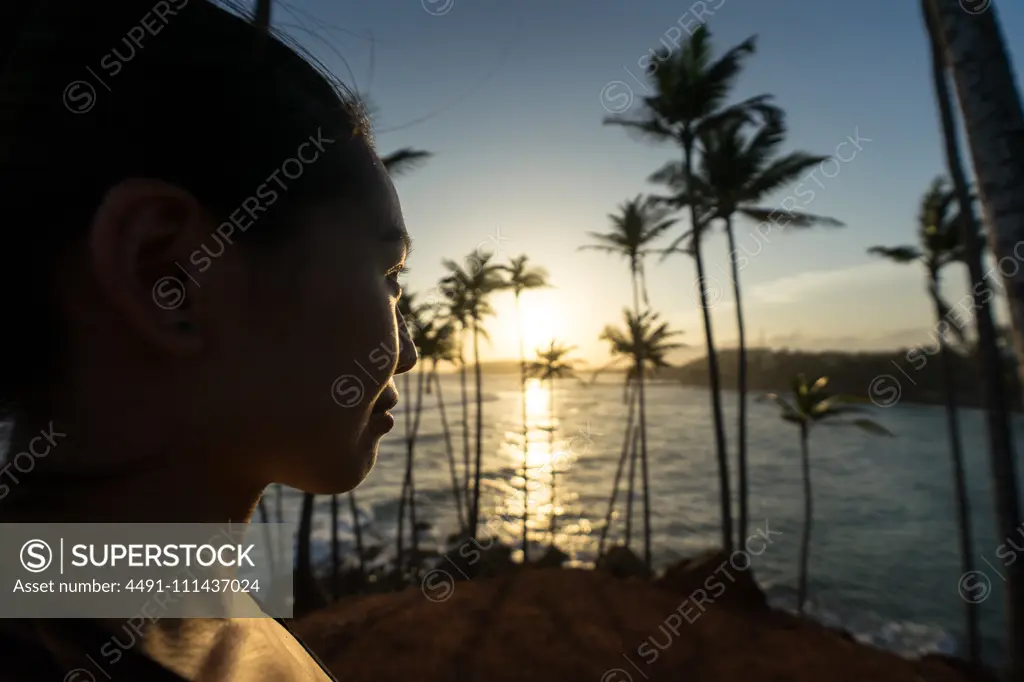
{"x": 385, "y": 343}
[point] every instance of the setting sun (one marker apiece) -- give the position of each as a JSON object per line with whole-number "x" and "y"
{"x": 545, "y": 317}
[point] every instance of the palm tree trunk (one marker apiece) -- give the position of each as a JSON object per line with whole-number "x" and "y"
{"x": 743, "y": 493}
{"x": 959, "y": 484}
{"x": 974, "y": 48}
{"x": 450, "y": 451}
{"x": 641, "y": 379}
{"x": 994, "y": 121}
{"x": 335, "y": 549}
{"x": 408, "y": 485}
{"x": 357, "y": 530}
{"x": 630, "y": 483}
{"x": 303, "y": 566}
{"x": 618, "y": 475}
{"x": 262, "y": 18}
{"x": 474, "y": 519}
{"x": 551, "y": 451}
{"x": 413, "y": 522}
{"x": 400, "y": 535}
{"x": 713, "y": 374}
{"x": 805, "y": 542}
{"x": 644, "y": 474}
{"x": 465, "y": 419}
{"x": 308, "y": 595}
{"x": 526, "y": 432}
{"x": 265, "y": 519}
{"x": 279, "y": 513}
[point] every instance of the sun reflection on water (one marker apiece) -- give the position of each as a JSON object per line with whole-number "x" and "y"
{"x": 548, "y": 459}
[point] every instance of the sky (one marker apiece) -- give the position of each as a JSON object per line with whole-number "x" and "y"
{"x": 510, "y": 98}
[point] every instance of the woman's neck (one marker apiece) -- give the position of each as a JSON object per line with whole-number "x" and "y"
{"x": 49, "y": 477}
{"x": 148, "y": 496}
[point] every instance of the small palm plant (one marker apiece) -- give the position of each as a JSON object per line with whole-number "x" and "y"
{"x": 552, "y": 364}
{"x": 520, "y": 278}
{"x": 810, "y": 405}
{"x": 647, "y": 338}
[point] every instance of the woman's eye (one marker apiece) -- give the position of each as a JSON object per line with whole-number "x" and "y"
{"x": 394, "y": 274}
{"x": 393, "y": 277}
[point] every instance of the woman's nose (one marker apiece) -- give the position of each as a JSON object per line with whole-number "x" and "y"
{"x": 407, "y": 355}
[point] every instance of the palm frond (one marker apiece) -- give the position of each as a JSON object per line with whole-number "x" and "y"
{"x": 404, "y": 160}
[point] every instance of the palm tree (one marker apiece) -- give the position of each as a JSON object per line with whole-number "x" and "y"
{"x": 279, "y": 502}
{"x": 646, "y": 340}
{"x": 994, "y": 122}
{"x": 335, "y": 550}
{"x": 357, "y": 530}
{"x": 735, "y": 174}
{"x": 637, "y": 225}
{"x": 265, "y": 520}
{"x": 946, "y": 32}
{"x": 476, "y": 281}
{"x": 457, "y": 309}
{"x": 627, "y": 439}
{"x": 552, "y": 364}
{"x": 308, "y": 594}
{"x": 809, "y": 406}
{"x": 521, "y": 277}
{"x": 436, "y": 344}
{"x": 690, "y": 93}
{"x": 940, "y": 245}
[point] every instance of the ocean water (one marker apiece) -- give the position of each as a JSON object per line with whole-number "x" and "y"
{"x": 884, "y": 562}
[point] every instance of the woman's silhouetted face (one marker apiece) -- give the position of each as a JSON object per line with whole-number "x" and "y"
{"x": 268, "y": 361}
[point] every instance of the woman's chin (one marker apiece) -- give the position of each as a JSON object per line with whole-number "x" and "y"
{"x": 339, "y": 473}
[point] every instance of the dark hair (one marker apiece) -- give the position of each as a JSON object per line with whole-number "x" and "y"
{"x": 92, "y": 93}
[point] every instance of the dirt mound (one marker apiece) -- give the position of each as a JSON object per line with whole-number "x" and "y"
{"x": 715, "y": 578}
{"x": 567, "y": 625}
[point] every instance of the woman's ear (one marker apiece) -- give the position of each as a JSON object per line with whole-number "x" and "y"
{"x": 139, "y": 242}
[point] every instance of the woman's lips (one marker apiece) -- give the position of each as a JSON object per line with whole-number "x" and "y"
{"x": 381, "y": 418}
{"x": 382, "y": 421}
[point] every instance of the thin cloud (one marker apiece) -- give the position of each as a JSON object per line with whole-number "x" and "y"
{"x": 814, "y": 284}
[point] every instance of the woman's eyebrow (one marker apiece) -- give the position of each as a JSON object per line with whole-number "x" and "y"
{"x": 398, "y": 234}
